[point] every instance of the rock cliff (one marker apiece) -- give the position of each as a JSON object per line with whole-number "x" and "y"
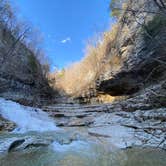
{"x": 21, "y": 75}
{"x": 136, "y": 59}
{"x": 140, "y": 45}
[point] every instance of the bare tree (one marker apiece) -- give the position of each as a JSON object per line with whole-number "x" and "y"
{"x": 18, "y": 40}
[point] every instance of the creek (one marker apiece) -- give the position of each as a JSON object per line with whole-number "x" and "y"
{"x": 37, "y": 141}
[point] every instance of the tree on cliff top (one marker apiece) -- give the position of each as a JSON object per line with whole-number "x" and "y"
{"x": 22, "y": 33}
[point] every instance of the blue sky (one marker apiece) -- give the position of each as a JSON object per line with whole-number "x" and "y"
{"x": 66, "y": 25}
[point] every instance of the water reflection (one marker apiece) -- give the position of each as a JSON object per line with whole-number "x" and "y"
{"x": 146, "y": 157}
{"x": 96, "y": 156}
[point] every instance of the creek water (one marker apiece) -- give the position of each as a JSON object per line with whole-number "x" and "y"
{"x": 91, "y": 156}
{"x": 61, "y": 150}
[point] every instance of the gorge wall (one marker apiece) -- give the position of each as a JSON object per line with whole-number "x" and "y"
{"x": 21, "y": 75}
{"x": 140, "y": 53}
{"x": 140, "y": 44}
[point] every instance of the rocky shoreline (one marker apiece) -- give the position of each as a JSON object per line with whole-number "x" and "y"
{"x": 137, "y": 121}
{"x": 132, "y": 122}
{"x": 143, "y": 128}
{"x": 121, "y": 125}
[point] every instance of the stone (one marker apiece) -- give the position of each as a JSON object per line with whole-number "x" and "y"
{"x": 22, "y": 143}
{"x": 117, "y": 135}
{"x": 80, "y": 122}
{"x": 6, "y": 125}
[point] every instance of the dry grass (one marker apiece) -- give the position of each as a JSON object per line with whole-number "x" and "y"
{"x": 79, "y": 76}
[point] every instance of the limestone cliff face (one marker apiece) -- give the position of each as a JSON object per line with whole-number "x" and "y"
{"x": 21, "y": 76}
{"x": 140, "y": 46}
{"x": 136, "y": 58}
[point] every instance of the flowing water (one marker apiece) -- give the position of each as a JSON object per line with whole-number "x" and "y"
{"x": 60, "y": 150}
{"x": 26, "y": 118}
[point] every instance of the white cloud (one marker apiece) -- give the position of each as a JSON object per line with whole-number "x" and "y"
{"x": 68, "y": 39}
